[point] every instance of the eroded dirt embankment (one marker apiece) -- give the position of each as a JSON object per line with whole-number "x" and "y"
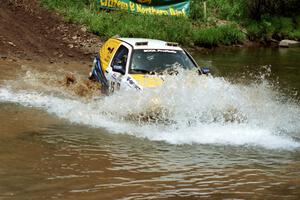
{"x": 28, "y": 31}
{"x": 37, "y": 41}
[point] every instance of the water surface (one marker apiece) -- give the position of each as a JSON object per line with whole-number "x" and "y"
{"x": 234, "y": 135}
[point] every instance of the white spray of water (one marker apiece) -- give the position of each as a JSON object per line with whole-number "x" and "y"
{"x": 190, "y": 109}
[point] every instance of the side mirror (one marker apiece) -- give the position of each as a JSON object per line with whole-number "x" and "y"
{"x": 118, "y": 68}
{"x": 205, "y": 70}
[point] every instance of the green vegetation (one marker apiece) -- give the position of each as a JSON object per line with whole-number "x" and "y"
{"x": 263, "y": 20}
{"x": 273, "y": 28}
{"x": 223, "y": 26}
{"x": 224, "y": 34}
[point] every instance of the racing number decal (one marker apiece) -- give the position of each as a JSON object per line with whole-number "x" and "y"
{"x": 114, "y": 86}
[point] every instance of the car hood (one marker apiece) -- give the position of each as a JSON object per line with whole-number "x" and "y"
{"x": 147, "y": 81}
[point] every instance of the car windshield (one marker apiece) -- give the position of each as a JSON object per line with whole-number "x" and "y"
{"x": 158, "y": 61}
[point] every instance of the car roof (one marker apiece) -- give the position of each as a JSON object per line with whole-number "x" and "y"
{"x": 144, "y": 43}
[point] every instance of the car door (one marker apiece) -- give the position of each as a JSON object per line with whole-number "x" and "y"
{"x": 107, "y": 52}
{"x": 119, "y": 67}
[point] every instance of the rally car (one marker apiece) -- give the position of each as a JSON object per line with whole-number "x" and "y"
{"x": 138, "y": 63}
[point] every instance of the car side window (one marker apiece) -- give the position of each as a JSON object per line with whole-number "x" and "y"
{"x": 120, "y": 57}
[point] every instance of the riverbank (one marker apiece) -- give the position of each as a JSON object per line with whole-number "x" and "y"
{"x": 178, "y": 29}
{"x": 226, "y": 24}
{"x": 30, "y": 30}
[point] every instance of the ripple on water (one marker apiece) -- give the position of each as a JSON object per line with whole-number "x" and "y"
{"x": 225, "y": 141}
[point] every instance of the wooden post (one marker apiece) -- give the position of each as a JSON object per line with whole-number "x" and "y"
{"x": 204, "y": 10}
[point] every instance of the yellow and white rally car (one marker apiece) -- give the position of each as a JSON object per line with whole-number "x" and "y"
{"x": 138, "y": 63}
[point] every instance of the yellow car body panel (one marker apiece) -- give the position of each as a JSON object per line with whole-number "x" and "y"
{"x": 107, "y": 52}
{"x": 147, "y": 81}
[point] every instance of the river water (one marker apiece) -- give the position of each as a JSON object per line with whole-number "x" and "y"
{"x": 233, "y": 135}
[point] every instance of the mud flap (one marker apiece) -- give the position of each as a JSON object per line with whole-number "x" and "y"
{"x": 98, "y": 74}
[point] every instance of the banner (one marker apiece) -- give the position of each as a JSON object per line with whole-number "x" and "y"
{"x": 155, "y": 7}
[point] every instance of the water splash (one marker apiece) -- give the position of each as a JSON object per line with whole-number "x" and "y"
{"x": 187, "y": 109}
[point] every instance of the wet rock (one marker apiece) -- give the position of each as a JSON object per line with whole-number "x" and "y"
{"x": 83, "y": 29}
{"x": 12, "y": 44}
{"x": 289, "y": 43}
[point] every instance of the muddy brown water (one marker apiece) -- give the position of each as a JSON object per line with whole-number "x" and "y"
{"x": 55, "y": 144}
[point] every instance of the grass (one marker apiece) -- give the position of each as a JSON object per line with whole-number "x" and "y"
{"x": 225, "y": 34}
{"x": 177, "y": 29}
{"x": 194, "y": 30}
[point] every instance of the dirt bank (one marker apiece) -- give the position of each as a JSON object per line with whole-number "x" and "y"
{"x": 30, "y": 32}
